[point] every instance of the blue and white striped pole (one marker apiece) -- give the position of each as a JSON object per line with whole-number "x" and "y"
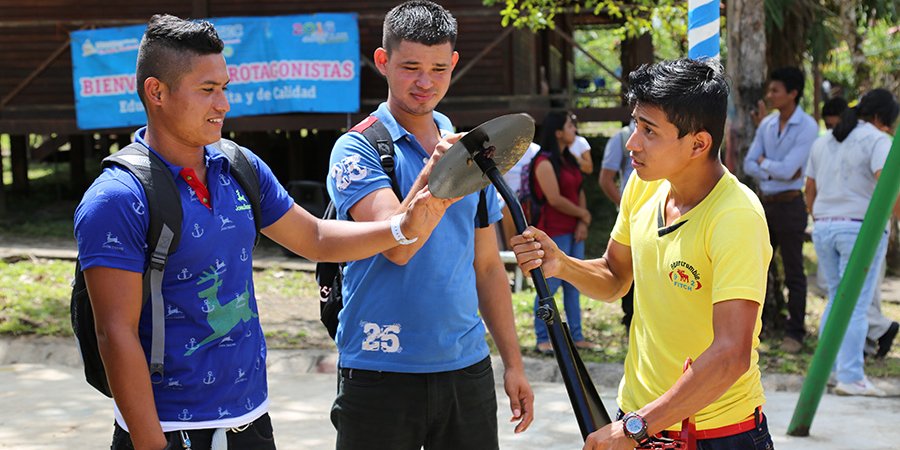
{"x": 703, "y": 29}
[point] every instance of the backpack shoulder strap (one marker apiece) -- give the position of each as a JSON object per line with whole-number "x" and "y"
{"x": 246, "y": 175}
{"x": 380, "y": 138}
{"x": 482, "y": 212}
{"x": 163, "y": 234}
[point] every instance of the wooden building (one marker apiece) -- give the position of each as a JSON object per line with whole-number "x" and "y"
{"x": 500, "y": 71}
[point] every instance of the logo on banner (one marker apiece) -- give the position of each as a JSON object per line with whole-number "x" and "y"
{"x": 320, "y": 33}
{"x": 109, "y": 47}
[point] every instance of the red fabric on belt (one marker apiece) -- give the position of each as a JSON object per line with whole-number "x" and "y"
{"x": 728, "y": 430}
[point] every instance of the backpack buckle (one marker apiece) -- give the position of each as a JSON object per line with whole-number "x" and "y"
{"x": 387, "y": 161}
{"x": 158, "y": 260}
{"x": 156, "y": 373}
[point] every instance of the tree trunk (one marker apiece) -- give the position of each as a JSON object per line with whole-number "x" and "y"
{"x": 850, "y": 25}
{"x": 746, "y": 67}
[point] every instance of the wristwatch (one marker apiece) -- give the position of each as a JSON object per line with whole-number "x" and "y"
{"x": 398, "y": 234}
{"x": 635, "y": 427}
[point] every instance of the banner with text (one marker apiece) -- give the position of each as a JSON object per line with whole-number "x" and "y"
{"x": 282, "y": 64}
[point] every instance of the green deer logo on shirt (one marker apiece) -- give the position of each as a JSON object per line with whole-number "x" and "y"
{"x": 222, "y": 318}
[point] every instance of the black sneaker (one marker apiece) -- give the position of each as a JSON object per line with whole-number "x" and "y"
{"x": 886, "y": 340}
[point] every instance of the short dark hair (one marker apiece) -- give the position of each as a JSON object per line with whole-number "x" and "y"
{"x": 693, "y": 94}
{"x": 419, "y": 21}
{"x": 834, "y": 106}
{"x": 164, "y": 45}
{"x": 876, "y": 104}
{"x": 792, "y": 78}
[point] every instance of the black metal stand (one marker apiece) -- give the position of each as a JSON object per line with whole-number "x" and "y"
{"x": 589, "y": 409}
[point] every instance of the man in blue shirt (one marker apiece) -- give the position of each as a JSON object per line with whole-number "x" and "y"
{"x": 617, "y": 162}
{"x": 777, "y": 160}
{"x": 214, "y": 386}
{"x": 415, "y": 369}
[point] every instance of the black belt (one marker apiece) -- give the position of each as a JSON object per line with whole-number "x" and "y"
{"x": 780, "y": 197}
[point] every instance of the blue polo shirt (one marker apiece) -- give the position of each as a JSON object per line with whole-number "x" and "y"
{"x": 421, "y": 317}
{"x": 215, "y": 353}
{"x": 786, "y": 152}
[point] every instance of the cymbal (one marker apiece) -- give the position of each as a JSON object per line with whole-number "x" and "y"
{"x": 503, "y": 139}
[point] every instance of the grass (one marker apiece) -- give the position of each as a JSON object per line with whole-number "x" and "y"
{"x": 34, "y": 297}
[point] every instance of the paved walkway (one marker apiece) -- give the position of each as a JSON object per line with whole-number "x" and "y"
{"x": 47, "y": 404}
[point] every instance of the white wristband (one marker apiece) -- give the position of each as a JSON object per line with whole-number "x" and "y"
{"x": 398, "y": 234}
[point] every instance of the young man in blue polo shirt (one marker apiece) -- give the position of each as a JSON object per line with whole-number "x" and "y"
{"x": 215, "y": 372}
{"x": 415, "y": 367}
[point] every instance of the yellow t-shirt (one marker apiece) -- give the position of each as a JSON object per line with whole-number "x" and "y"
{"x": 717, "y": 251}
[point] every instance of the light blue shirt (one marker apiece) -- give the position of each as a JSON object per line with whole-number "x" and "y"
{"x": 421, "y": 317}
{"x": 785, "y": 153}
{"x": 617, "y": 157}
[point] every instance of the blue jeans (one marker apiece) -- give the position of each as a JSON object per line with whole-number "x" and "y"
{"x": 571, "y": 296}
{"x": 834, "y": 242}
{"x": 755, "y": 439}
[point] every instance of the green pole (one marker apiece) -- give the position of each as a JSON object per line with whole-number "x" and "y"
{"x": 877, "y": 215}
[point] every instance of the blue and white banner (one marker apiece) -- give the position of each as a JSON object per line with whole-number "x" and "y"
{"x": 301, "y": 63}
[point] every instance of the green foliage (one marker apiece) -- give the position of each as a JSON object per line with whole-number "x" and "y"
{"x": 537, "y": 15}
{"x": 882, "y": 50}
{"x": 48, "y": 207}
{"x": 34, "y": 297}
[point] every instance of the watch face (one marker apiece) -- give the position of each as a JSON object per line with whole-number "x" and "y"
{"x": 634, "y": 425}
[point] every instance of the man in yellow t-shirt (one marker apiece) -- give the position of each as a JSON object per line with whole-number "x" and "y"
{"x": 696, "y": 244}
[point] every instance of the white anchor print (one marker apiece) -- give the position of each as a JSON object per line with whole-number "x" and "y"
{"x": 192, "y": 345}
{"x": 244, "y": 255}
{"x": 207, "y": 308}
{"x": 185, "y": 415}
{"x": 223, "y": 180}
{"x": 138, "y": 208}
{"x": 210, "y": 379}
{"x": 249, "y": 405}
{"x": 185, "y": 274}
{"x": 197, "y": 231}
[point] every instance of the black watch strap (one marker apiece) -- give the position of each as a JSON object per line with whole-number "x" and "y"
{"x": 638, "y": 435}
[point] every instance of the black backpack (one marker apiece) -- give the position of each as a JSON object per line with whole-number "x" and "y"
{"x": 528, "y": 198}
{"x": 163, "y": 233}
{"x": 330, "y": 275}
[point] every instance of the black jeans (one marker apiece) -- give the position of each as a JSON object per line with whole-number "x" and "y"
{"x": 787, "y": 225}
{"x": 257, "y": 436}
{"x": 406, "y": 411}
